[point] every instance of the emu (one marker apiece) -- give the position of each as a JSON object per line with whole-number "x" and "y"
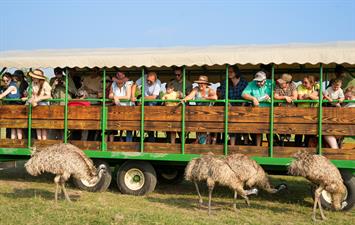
{"x": 62, "y": 160}
{"x": 228, "y": 172}
{"x": 321, "y": 172}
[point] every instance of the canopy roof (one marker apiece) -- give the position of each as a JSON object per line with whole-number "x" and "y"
{"x": 336, "y": 52}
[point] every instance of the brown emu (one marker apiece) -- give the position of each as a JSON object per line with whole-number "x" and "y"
{"x": 235, "y": 171}
{"x": 321, "y": 172}
{"x": 63, "y": 160}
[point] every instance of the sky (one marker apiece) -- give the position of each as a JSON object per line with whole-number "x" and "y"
{"x": 45, "y": 24}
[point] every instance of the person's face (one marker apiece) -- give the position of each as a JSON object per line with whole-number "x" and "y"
{"x": 284, "y": 85}
{"x": 169, "y": 90}
{"x": 35, "y": 80}
{"x": 202, "y": 86}
{"x": 178, "y": 74}
{"x": 306, "y": 83}
{"x": 349, "y": 96}
{"x": 260, "y": 83}
{"x": 6, "y": 81}
{"x": 119, "y": 81}
{"x": 150, "y": 80}
{"x": 336, "y": 86}
{"x": 231, "y": 73}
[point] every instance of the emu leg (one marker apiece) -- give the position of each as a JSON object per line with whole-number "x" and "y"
{"x": 64, "y": 190}
{"x": 210, "y": 190}
{"x": 56, "y": 181}
{"x": 243, "y": 194}
{"x": 317, "y": 194}
{"x": 235, "y": 201}
{"x": 320, "y": 205}
{"x": 199, "y": 195}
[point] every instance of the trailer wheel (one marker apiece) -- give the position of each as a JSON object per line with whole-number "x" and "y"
{"x": 102, "y": 184}
{"x": 170, "y": 175}
{"x": 349, "y": 182}
{"x": 136, "y": 178}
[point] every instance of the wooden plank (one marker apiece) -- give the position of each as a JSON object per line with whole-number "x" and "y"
{"x": 13, "y": 112}
{"x": 87, "y": 145}
{"x": 334, "y": 115}
{"x": 249, "y": 150}
{"x": 13, "y": 123}
{"x": 340, "y": 154}
{"x": 123, "y": 146}
{"x": 203, "y": 149}
{"x": 13, "y": 143}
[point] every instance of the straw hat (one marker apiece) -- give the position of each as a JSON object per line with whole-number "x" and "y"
{"x": 202, "y": 80}
{"x": 37, "y": 73}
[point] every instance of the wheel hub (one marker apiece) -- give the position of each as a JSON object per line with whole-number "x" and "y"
{"x": 134, "y": 179}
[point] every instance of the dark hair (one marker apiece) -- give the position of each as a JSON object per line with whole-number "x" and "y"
{"x": 58, "y": 70}
{"x": 18, "y": 73}
{"x": 236, "y": 70}
{"x": 339, "y": 69}
{"x": 7, "y": 75}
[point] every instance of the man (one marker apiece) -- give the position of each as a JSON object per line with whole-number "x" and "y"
{"x": 58, "y": 86}
{"x": 258, "y": 91}
{"x": 152, "y": 87}
{"x": 177, "y": 82}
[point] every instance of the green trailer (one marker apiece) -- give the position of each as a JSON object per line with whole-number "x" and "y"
{"x": 136, "y": 166}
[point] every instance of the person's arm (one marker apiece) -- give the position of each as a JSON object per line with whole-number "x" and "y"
{"x": 7, "y": 91}
{"x": 46, "y": 93}
{"x": 111, "y": 96}
{"x": 251, "y": 98}
{"x": 133, "y": 91}
{"x": 190, "y": 96}
{"x": 341, "y": 96}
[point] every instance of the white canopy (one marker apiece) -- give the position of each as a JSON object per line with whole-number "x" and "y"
{"x": 336, "y": 52}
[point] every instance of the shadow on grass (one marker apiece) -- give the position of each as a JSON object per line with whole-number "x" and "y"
{"x": 35, "y": 193}
{"x": 298, "y": 190}
{"x": 216, "y": 205}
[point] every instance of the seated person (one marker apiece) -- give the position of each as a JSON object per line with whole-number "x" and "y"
{"x": 334, "y": 92}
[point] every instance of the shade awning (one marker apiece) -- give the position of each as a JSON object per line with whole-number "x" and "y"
{"x": 336, "y": 52}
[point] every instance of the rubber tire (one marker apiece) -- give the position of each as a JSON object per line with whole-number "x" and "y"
{"x": 104, "y": 182}
{"x": 349, "y": 182}
{"x": 149, "y": 174}
{"x": 164, "y": 172}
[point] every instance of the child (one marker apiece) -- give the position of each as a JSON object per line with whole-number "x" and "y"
{"x": 171, "y": 95}
{"x": 334, "y": 92}
{"x": 350, "y": 95}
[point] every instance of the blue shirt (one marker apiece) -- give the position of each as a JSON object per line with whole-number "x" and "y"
{"x": 259, "y": 92}
{"x": 16, "y": 95}
{"x": 234, "y": 92}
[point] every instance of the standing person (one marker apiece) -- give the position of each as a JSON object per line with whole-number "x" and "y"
{"x": 308, "y": 90}
{"x": 258, "y": 91}
{"x": 237, "y": 84}
{"x": 57, "y": 84}
{"x": 171, "y": 94}
{"x": 177, "y": 82}
{"x": 201, "y": 92}
{"x": 41, "y": 91}
{"x": 152, "y": 87}
{"x": 11, "y": 92}
{"x": 286, "y": 90}
{"x": 22, "y": 84}
{"x": 121, "y": 89}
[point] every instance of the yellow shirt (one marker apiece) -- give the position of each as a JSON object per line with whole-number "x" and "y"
{"x": 301, "y": 90}
{"x": 172, "y": 96}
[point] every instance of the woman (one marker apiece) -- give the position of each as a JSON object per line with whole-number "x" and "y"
{"x": 11, "y": 92}
{"x": 121, "y": 89}
{"x": 201, "y": 92}
{"x": 41, "y": 91}
{"x": 308, "y": 90}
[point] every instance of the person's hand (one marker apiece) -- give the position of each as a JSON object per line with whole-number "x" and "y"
{"x": 55, "y": 83}
{"x": 255, "y": 102}
{"x": 330, "y": 100}
{"x": 183, "y": 101}
{"x": 338, "y": 105}
{"x": 288, "y": 99}
{"x": 267, "y": 97}
{"x": 341, "y": 100}
{"x": 133, "y": 99}
{"x": 116, "y": 100}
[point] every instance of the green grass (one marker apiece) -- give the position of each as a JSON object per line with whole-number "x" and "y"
{"x": 30, "y": 200}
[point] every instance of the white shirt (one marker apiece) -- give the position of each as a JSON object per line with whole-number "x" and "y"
{"x": 149, "y": 90}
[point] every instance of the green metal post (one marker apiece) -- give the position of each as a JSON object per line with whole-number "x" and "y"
{"x": 225, "y": 149}
{"x": 103, "y": 113}
{"x": 66, "y": 108}
{"x": 29, "y": 133}
{"x": 320, "y": 110}
{"x": 183, "y": 110}
{"x": 271, "y": 147}
{"x": 142, "y": 111}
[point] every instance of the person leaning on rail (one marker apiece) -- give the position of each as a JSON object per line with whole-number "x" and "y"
{"x": 201, "y": 92}
{"x": 258, "y": 91}
{"x": 152, "y": 87}
{"x": 11, "y": 92}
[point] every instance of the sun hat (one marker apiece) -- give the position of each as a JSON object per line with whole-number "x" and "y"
{"x": 260, "y": 76}
{"x": 37, "y": 73}
{"x": 202, "y": 80}
{"x": 285, "y": 78}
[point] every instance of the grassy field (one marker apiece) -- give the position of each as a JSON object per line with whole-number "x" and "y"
{"x": 30, "y": 200}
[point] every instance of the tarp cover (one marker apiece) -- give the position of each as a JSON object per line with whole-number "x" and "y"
{"x": 335, "y": 52}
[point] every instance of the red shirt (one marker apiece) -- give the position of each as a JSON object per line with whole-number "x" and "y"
{"x": 79, "y": 103}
